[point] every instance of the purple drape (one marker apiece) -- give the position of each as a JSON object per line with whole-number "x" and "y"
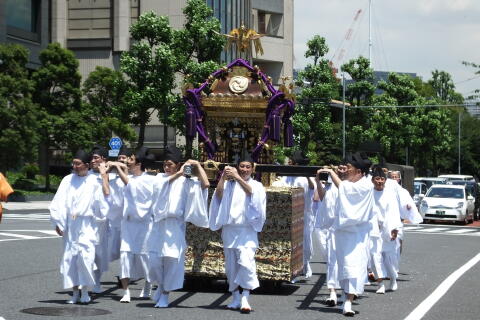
{"x": 272, "y": 127}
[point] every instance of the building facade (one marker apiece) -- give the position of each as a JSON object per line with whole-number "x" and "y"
{"x": 26, "y": 22}
{"x": 97, "y": 31}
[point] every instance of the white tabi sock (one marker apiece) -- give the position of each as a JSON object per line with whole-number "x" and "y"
{"x": 126, "y": 296}
{"x": 85, "y": 298}
{"x": 347, "y": 308}
{"x": 244, "y": 305}
{"x": 75, "y": 296}
{"x": 163, "y": 300}
{"x": 308, "y": 270}
{"x": 393, "y": 284}
{"x": 156, "y": 295}
{"x": 381, "y": 288}
{"x": 146, "y": 291}
{"x": 236, "y": 297}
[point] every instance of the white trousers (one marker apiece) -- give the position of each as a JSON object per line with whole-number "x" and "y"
{"x": 102, "y": 258}
{"x": 240, "y": 268}
{"x": 114, "y": 241}
{"x": 167, "y": 272}
{"x": 134, "y": 266}
{"x": 77, "y": 270}
{"x": 332, "y": 264}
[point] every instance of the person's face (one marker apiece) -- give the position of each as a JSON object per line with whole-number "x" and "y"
{"x": 96, "y": 160}
{"x": 170, "y": 167}
{"x": 245, "y": 170}
{"x": 353, "y": 174}
{"x": 131, "y": 163}
{"x": 395, "y": 176}
{"x": 378, "y": 183}
{"x": 122, "y": 158}
{"x": 342, "y": 171}
{"x": 80, "y": 168}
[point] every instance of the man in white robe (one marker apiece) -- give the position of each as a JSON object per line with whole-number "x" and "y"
{"x": 115, "y": 212}
{"x": 79, "y": 199}
{"x": 238, "y": 207}
{"x": 298, "y": 158}
{"x": 351, "y": 227}
{"x": 137, "y": 222}
{"x": 387, "y": 223}
{"x": 179, "y": 197}
{"x": 99, "y": 156}
{"x": 325, "y": 215}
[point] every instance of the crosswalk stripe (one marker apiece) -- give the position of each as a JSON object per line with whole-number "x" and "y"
{"x": 408, "y": 228}
{"x": 459, "y": 231}
{"x": 50, "y": 232}
{"x": 15, "y": 235}
{"x": 434, "y": 229}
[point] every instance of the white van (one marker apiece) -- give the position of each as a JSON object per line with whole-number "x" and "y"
{"x": 463, "y": 177}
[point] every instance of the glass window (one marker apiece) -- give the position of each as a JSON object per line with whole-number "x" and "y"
{"x": 446, "y": 193}
{"x": 23, "y": 14}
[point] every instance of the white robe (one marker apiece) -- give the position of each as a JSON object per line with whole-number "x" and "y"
{"x": 115, "y": 216}
{"x": 136, "y": 225}
{"x": 73, "y": 209}
{"x": 351, "y": 227}
{"x": 241, "y": 217}
{"x": 386, "y": 219}
{"x": 308, "y": 214}
{"x": 324, "y": 219}
{"x": 102, "y": 258}
{"x": 183, "y": 200}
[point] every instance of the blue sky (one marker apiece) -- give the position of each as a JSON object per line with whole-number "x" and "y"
{"x": 408, "y": 35}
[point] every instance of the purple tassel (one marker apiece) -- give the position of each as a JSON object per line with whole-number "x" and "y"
{"x": 275, "y": 128}
{"x": 191, "y": 124}
{"x": 288, "y": 134}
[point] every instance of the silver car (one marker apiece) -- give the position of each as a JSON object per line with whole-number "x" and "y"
{"x": 447, "y": 203}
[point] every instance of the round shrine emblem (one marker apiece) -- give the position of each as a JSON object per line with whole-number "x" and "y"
{"x": 238, "y": 84}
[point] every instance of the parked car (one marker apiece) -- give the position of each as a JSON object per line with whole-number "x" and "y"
{"x": 464, "y": 177}
{"x": 429, "y": 181}
{"x": 448, "y": 203}
{"x": 419, "y": 191}
{"x": 473, "y": 190}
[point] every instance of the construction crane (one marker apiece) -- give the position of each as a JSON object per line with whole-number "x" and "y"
{"x": 339, "y": 54}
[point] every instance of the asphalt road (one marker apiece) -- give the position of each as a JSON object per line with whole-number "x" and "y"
{"x": 29, "y": 277}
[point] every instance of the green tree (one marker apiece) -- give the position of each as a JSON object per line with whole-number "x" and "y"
{"x": 361, "y": 90}
{"x": 197, "y": 46}
{"x": 444, "y": 87}
{"x": 104, "y": 91}
{"x": 312, "y": 118}
{"x": 18, "y": 125}
{"x": 150, "y": 66}
{"x": 63, "y": 121}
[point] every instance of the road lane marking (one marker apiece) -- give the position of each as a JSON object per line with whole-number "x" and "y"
{"x": 412, "y": 228}
{"x": 16, "y": 235}
{"x": 420, "y": 311}
{"x": 434, "y": 229}
{"x": 459, "y": 231}
{"x": 38, "y": 238}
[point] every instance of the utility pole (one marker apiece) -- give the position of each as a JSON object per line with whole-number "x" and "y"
{"x": 459, "y": 135}
{"x": 370, "y": 44}
{"x": 343, "y": 114}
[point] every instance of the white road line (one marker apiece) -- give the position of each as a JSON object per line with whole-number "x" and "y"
{"x": 461, "y": 231}
{"x": 50, "y": 232}
{"x": 436, "y": 295}
{"x": 15, "y": 235}
{"x": 412, "y": 228}
{"x": 38, "y": 238}
{"x": 2, "y": 318}
{"x": 434, "y": 229}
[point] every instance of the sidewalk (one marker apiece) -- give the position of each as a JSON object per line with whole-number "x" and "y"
{"x": 32, "y": 205}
